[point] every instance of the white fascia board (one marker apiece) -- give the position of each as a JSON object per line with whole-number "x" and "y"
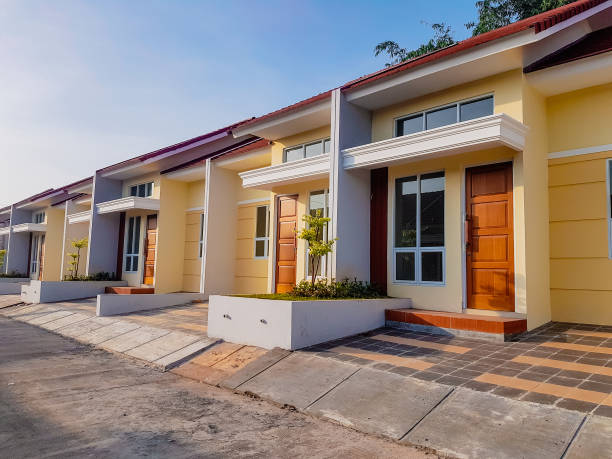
{"x": 188, "y": 171}
{"x": 4, "y": 231}
{"x": 30, "y": 228}
{"x": 575, "y": 19}
{"x": 285, "y": 173}
{"x": 485, "y": 132}
{"x": 42, "y": 202}
{"x": 86, "y": 188}
{"x": 129, "y": 203}
{"x": 79, "y": 217}
{"x": 292, "y": 115}
{"x": 223, "y": 162}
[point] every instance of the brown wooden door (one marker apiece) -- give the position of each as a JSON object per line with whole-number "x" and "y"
{"x": 41, "y": 259}
{"x": 149, "y": 252}
{"x": 489, "y": 238}
{"x": 286, "y": 243}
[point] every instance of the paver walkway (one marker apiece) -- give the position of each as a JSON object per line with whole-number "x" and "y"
{"x": 565, "y": 365}
{"x": 179, "y": 332}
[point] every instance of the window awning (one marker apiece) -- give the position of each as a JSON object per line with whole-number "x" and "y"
{"x": 129, "y": 203}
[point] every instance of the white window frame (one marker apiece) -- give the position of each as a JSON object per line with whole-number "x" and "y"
{"x": 35, "y": 217}
{"x": 137, "y": 185}
{"x": 609, "y": 199}
{"x": 266, "y": 238}
{"x": 132, "y": 255}
{"x": 303, "y": 147}
{"x": 417, "y": 249}
{"x": 201, "y": 242}
{"x": 323, "y": 274}
{"x": 440, "y": 107}
{"x": 35, "y": 250}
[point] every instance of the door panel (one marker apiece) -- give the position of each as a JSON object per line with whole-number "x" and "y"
{"x": 286, "y": 243}
{"x": 490, "y": 238}
{"x": 378, "y": 227}
{"x": 149, "y": 252}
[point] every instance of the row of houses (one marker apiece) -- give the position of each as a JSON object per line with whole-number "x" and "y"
{"x": 475, "y": 178}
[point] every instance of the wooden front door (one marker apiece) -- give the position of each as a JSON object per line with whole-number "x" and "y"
{"x": 149, "y": 252}
{"x": 286, "y": 242}
{"x": 489, "y": 237}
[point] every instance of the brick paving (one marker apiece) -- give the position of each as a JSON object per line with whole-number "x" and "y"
{"x": 561, "y": 364}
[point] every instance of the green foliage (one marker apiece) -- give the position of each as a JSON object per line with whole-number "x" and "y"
{"x": 318, "y": 247}
{"x": 443, "y": 37}
{"x": 102, "y": 276}
{"x": 492, "y": 14}
{"x": 13, "y": 274}
{"x": 335, "y": 289}
{"x": 76, "y": 258}
{"x": 2, "y": 255}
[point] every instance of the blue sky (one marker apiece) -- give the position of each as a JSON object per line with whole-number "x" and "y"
{"x": 85, "y": 84}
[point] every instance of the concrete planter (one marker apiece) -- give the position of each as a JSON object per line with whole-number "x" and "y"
{"x": 50, "y": 292}
{"x": 110, "y": 304}
{"x": 294, "y": 324}
{"x": 12, "y": 285}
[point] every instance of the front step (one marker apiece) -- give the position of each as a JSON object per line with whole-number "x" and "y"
{"x": 130, "y": 290}
{"x": 493, "y": 328}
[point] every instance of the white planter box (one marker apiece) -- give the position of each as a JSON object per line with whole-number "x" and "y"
{"x": 50, "y": 292}
{"x": 294, "y": 324}
{"x": 111, "y": 304}
{"x": 12, "y": 285}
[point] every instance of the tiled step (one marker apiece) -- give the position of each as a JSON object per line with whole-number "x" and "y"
{"x": 451, "y": 323}
{"x": 130, "y": 290}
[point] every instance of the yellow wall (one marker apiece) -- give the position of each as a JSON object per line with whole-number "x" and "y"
{"x": 251, "y": 274}
{"x": 170, "y": 258}
{"x": 192, "y": 263}
{"x": 195, "y": 194}
{"x": 505, "y": 87}
{"x": 53, "y": 244}
{"x": 279, "y": 145}
{"x": 448, "y": 297}
{"x": 580, "y": 268}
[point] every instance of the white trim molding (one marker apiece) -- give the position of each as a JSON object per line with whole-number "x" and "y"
{"x": 252, "y": 201}
{"x": 4, "y": 231}
{"x": 129, "y": 203}
{"x": 486, "y": 132}
{"x": 30, "y": 228}
{"x": 79, "y": 217}
{"x": 301, "y": 170}
{"x": 580, "y": 151}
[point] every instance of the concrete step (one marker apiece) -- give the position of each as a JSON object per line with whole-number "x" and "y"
{"x": 130, "y": 290}
{"x": 494, "y": 328}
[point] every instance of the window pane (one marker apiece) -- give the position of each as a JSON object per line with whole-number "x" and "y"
{"x": 136, "y": 235}
{"x": 410, "y": 125}
{"x": 610, "y": 179}
{"x": 135, "y": 263}
{"x": 261, "y": 224}
{"x": 405, "y": 212}
{"x": 431, "y": 267}
{"x": 317, "y": 202}
{"x": 432, "y": 210}
{"x": 404, "y": 266}
{"x": 201, "y": 227}
{"x": 133, "y": 190}
{"x": 326, "y": 145}
{"x": 130, "y": 240}
{"x": 128, "y": 263}
{"x": 260, "y": 248}
{"x": 293, "y": 154}
{"x": 314, "y": 149}
{"x": 441, "y": 117}
{"x": 476, "y": 108}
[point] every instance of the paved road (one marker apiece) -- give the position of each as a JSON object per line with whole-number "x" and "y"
{"x": 62, "y": 399}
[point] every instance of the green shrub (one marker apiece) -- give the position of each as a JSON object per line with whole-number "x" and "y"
{"x": 103, "y": 276}
{"x": 13, "y": 274}
{"x": 335, "y": 289}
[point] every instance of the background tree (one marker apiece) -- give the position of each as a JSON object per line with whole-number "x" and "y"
{"x": 492, "y": 14}
{"x": 312, "y": 233}
{"x": 76, "y": 256}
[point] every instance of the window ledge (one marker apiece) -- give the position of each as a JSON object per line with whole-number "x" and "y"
{"x": 129, "y": 203}
{"x": 79, "y": 217}
{"x": 301, "y": 170}
{"x": 477, "y": 134}
{"x": 30, "y": 228}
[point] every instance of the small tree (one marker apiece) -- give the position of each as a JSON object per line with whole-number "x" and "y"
{"x": 318, "y": 247}
{"x": 76, "y": 256}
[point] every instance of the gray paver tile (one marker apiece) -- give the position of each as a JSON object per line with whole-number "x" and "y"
{"x": 593, "y": 441}
{"x": 65, "y": 321}
{"x": 108, "y": 332}
{"x": 161, "y": 347}
{"x": 176, "y": 357}
{"x": 134, "y": 339}
{"x": 380, "y": 402}
{"x": 299, "y": 379}
{"x": 255, "y": 367}
{"x": 80, "y": 328}
{"x": 476, "y": 423}
{"x": 42, "y": 319}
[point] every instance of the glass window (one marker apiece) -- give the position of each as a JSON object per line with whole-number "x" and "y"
{"x": 419, "y": 228}
{"x": 262, "y": 230}
{"x": 441, "y": 117}
{"x": 143, "y": 190}
{"x": 476, "y": 109}
{"x": 410, "y": 125}
{"x": 307, "y": 150}
{"x": 318, "y": 201}
{"x": 132, "y": 247}
{"x": 201, "y": 243}
{"x": 39, "y": 217}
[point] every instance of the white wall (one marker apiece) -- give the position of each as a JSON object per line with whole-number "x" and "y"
{"x": 350, "y": 192}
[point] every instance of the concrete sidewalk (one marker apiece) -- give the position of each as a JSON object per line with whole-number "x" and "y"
{"x": 163, "y": 347}
{"x": 451, "y": 420}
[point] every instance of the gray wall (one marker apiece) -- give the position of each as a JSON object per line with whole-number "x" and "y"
{"x": 19, "y": 243}
{"x": 351, "y": 126}
{"x": 104, "y": 229}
